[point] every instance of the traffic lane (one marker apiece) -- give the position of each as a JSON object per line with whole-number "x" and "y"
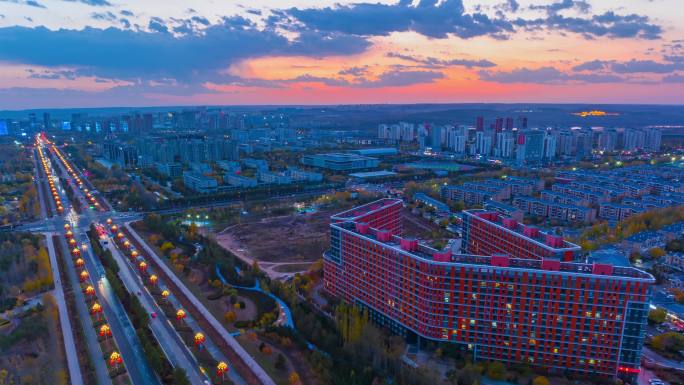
{"x": 166, "y": 335}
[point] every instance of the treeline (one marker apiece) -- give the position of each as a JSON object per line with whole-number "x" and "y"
{"x": 601, "y": 233}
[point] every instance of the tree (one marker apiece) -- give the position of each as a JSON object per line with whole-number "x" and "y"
{"x": 541, "y": 380}
{"x": 657, "y": 252}
{"x": 179, "y": 377}
{"x": 496, "y": 370}
{"x": 229, "y": 317}
{"x": 671, "y": 342}
{"x": 280, "y": 362}
{"x": 293, "y": 379}
{"x": 657, "y": 315}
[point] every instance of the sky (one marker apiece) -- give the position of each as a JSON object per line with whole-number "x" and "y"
{"x": 101, "y": 53}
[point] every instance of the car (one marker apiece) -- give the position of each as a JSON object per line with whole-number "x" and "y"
{"x": 153, "y": 315}
{"x": 655, "y": 381}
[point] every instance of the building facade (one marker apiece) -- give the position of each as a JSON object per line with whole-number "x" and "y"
{"x": 587, "y": 318}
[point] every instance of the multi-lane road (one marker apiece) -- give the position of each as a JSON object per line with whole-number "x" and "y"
{"x": 96, "y": 210}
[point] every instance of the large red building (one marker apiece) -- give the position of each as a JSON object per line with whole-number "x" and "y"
{"x": 489, "y": 233}
{"x": 560, "y": 315}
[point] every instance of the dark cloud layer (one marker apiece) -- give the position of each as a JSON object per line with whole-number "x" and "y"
{"x": 127, "y": 54}
{"x": 442, "y": 19}
{"x": 432, "y": 62}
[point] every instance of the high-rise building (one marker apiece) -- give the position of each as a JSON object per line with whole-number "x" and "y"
{"x": 479, "y": 123}
{"x": 653, "y": 139}
{"x": 47, "y": 123}
{"x": 436, "y": 137}
{"x": 530, "y": 148}
{"x": 583, "y": 318}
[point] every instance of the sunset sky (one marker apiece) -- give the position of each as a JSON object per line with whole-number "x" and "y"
{"x": 92, "y": 53}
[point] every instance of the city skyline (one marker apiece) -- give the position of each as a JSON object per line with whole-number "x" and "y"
{"x": 98, "y": 53}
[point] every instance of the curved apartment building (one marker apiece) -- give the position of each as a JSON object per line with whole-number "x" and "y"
{"x": 541, "y": 311}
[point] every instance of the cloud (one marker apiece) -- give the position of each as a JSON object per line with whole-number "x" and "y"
{"x": 579, "y": 5}
{"x": 52, "y": 74}
{"x": 30, "y": 3}
{"x": 432, "y": 62}
{"x": 103, "y": 16}
{"x": 157, "y": 25}
{"x": 94, "y": 3}
{"x": 608, "y": 24}
{"x": 674, "y": 78}
{"x": 593, "y": 65}
{"x": 136, "y": 54}
{"x": 398, "y": 78}
{"x": 545, "y": 75}
{"x": 645, "y": 66}
{"x": 439, "y": 20}
{"x": 671, "y": 64}
{"x": 126, "y": 12}
{"x": 428, "y": 17}
{"x": 354, "y": 71}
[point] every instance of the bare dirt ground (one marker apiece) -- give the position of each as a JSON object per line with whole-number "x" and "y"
{"x": 282, "y": 245}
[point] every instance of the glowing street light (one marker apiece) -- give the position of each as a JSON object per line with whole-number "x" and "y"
{"x": 221, "y": 369}
{"x": 90, "y": 290}
{"x": 115, "y": 359}
{"x": 165, "y": 294}
{"x": 180, "y": 315}
{"x": 83, "y": 276}
{"x": 105, "y": 331}
{"x": 80, "y": 262}
{"x": 153, "y": 279}
{"x": 142, "y": 266}
{"x": 199, "y": 339}
{"x": 109, "y": 221}
{"x": 96, "y": 309}
{"x": 72, "y": 242}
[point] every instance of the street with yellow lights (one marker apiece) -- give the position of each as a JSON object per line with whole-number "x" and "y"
{"x": 116, "y": 352}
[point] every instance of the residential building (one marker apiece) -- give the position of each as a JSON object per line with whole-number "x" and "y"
{"x": 239, "y": 180}
{"x": 583, "y": 318}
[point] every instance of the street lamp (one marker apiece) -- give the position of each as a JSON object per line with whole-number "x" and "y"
{"x": 142, "y": 266}
{"x": 180, "y": 315}
{"x": 153, "y": 279}
{"x": 90, "y": 290}
{"x": 105, "y": 331}
{"x": 84, "y": 275}
{"x": 221, "y": 369}
{"x": 96, "y": 309}
{"x": 165, "y": 294}
{"x": 80, "y": 262}
{"x": 199, "y": 339}
{"x": 115, "y": 359}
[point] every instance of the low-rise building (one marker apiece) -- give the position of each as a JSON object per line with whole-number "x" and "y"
{"x": 172, "y": 170}
{"x": 239, "y": 180}
{"x": 340, "y": 162}
{"x": 199, "y": 183}
{"x": 440, "y": 207}
{"x": 270, "y": 177}
{"x": 304, "y": 176}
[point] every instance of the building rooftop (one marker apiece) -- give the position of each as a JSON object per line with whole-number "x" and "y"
{"x": 413, "y": 248}
{"x": 372, "y": 174}
{"x": 368, "y": 208}
{"x": 530, "y": 232}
